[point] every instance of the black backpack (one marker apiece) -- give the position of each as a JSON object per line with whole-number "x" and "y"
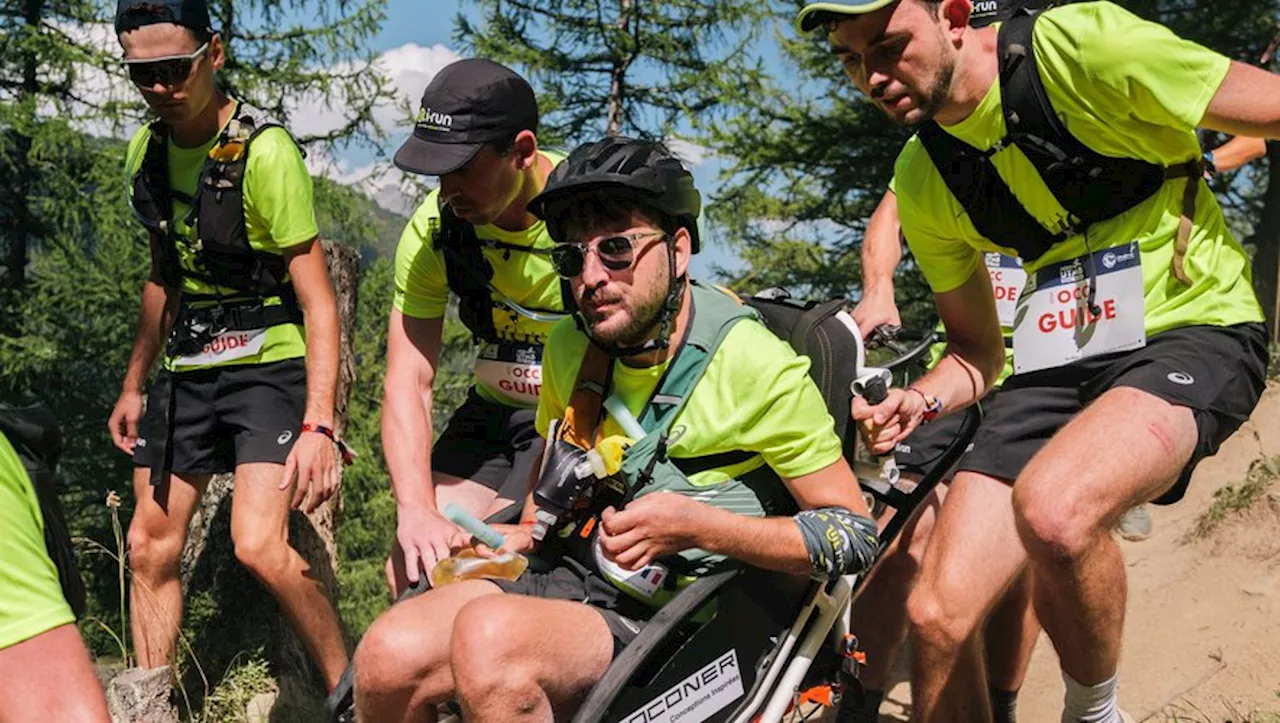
{"x": 34, "y": 433}
{"x": 813, "y": 330}
{"x": 1090, "y": 186}
{"x": 470, "y": 274}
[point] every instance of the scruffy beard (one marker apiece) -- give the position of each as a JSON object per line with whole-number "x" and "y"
{"x": 932, "y": 101}
{"x": 643, "y": 322}
{"x": 937, "y": 96}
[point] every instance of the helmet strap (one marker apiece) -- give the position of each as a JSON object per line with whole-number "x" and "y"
{"x": 666, "y": 319}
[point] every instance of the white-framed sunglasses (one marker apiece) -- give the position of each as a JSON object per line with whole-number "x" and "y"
{"x": 171, "y": 71}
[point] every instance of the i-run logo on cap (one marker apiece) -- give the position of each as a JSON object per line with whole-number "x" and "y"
{"x": 435, "y": 121}
{"x": 985, "y": 7}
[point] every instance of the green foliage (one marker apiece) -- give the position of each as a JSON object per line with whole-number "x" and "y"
{"x": 346, "y": 215}
{"x": 367, "y": 529}
{"x": 78, "y": 256}
{"x": 276, "y": 62}
{"x": 1230, "y": 499}
{"x": 619, "y": 66}
{"x": 230, "y": 700}
{"x": 70, "y": 330}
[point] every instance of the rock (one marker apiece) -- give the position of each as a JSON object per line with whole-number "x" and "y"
{"x": 141, "y": 695}
{"x": 259, "y": 709}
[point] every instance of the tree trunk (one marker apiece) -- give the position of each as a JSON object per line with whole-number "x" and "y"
{"x": 23, "y": 182}
{"x": 1266, "y": 241}
{"x": 618, "y": 75}
{"x": 229, "y": 614}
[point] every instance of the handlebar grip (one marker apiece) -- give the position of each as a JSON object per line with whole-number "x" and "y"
{"x": 875, "y": 391}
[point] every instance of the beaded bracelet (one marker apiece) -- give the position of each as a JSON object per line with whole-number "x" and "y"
{"x": 348, "y": 455}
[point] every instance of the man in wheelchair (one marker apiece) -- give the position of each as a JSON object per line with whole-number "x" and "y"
{"x": 732, "y": 458}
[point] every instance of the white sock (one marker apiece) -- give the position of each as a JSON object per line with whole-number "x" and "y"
{"x": 1090, "y": 703}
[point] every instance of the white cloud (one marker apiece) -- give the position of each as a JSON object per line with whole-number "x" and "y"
{"x": 409, "y": 68}
{"x": 691, "y": 153}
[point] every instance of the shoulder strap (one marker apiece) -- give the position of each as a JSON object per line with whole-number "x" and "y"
{"x": 225, "y": 256}
{"x": 711, "y": 316}
{"x": 995, "y": 212}
{"x": 585, "y": 412}
{"x": 1023, "y": 99}
{"x": 1092, "y": 187}
{"x": 468, "y": 273}
{"x": 151, "y": 200}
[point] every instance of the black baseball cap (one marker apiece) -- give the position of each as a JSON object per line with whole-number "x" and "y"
{"x": 133, "y": 14}
{"x": 469, "y": 103}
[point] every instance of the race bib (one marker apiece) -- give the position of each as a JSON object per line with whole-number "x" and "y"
{"x": 1007, "y": 279}
{"x": 645, "y": 582}
{"x": 227, "y": 346}
{"x": 515, "y": 370}
{"x": 1053, "y": 324}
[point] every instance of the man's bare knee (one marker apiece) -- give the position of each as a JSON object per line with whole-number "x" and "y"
{"x": 486, "y": 637}
{"x": 263, "y": 552}
{"x": 152, "y": 555}
{"x": 389, "y": 659}
{"x": 937, "y": 623}
{"x": 1055, "y": 528}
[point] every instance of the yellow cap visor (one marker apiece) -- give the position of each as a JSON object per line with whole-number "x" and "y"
{"x": 809, "y": 17}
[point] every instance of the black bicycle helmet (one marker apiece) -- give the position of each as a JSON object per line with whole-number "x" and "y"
{"x": 628, "y": 167}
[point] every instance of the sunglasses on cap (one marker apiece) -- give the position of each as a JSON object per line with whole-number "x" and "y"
{"x": 617, "y": 253}
{"x": 171, "y": 71}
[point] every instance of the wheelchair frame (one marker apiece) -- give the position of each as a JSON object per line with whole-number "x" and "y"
{"x": 823, "y": 614}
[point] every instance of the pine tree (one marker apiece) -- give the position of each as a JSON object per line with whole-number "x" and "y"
{"x": 627, "y": 67}
{"x": 277, "y": 62}
{"x": 44, "y": 56}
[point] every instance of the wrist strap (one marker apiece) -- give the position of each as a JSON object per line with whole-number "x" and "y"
{"x": 348, "y": 454}
{"x": 932, "y": 405}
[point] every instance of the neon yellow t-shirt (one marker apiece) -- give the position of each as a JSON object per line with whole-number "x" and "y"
{"x": 755, "y": 396}
{"x": 1127, "y": 88}
{"x": 31, "y": 599}
{"x": 278, "y": 211}
{"x": 528, "y": 279}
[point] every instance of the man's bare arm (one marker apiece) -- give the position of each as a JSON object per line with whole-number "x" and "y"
{"x": 881, "y": 253}
{"x": 311, "y": 281}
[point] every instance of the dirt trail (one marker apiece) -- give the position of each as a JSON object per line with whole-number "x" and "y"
{"x": 1202, "y": 637}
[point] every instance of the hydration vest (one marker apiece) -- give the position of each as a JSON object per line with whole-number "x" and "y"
{"x": 470, "y": 276}
{"x": 35, "y": 435}
{"x": 647, "y": 465}
{"x": 223, "y": 255}
{"x": 1090, "y": 186}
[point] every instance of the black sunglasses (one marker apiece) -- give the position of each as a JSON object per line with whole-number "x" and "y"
{"x": 617, "y": 253}
{"x": 170, "y": 71}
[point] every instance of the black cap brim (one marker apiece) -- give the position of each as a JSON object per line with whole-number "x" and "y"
{"x": 434, "y": 159}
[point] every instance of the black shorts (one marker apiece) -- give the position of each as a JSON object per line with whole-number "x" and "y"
{"x": 226, "y": 416}
{"x": 918, "y": 453}
{"x": 569, "y": 579}
{"x": 1216, "y": 372}
{"x": 490, "y": 443}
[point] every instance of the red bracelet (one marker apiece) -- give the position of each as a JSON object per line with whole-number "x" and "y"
{"x": 348, "y": 455}
{"x": 932, "y": 405}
